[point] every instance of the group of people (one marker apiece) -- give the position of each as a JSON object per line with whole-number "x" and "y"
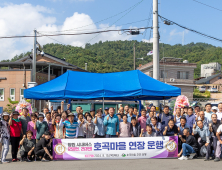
{"x": 199, "y": 133}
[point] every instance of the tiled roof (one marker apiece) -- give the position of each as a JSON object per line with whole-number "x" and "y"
{"x": 204, "y": 80}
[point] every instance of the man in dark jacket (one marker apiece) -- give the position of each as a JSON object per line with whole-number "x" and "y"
{"x": 135, "y": 128}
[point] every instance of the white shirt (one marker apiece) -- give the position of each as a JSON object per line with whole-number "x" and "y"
{"x": 208, "y": 115}
{"x": 219, "y": 129}
{"x": 81, "y": 129}
{"x": 219, "y": 115}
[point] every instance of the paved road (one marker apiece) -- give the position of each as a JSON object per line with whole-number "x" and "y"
{"x": 155, "y": 164}
{"x": 130, "y": 164}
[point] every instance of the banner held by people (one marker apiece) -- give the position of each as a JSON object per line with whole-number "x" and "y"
{"x": 115, "y": 148}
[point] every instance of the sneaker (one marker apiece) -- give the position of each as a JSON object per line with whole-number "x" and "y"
{"x": 14, "y": 160}
{"x": 4, "y": 162}
{"x": 216, "y": 159}
{"x": 206, "y": 159}
{"x": 45, "y": 160}
{"x": 37, "y": 158}
{"x": 192, "y": 155}
{"x": 28, "y": 160}
{"x": 183, "y": 158}
{"x": 23, "y": 159}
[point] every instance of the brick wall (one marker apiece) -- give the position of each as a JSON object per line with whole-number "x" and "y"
{"x": 14, "y": 79}
{"x": 187, "y": 91}
{"x": 214, "y": 79}
{"x": 43, "y": 77}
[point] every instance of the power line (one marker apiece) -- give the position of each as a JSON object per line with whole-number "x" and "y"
{"x": 52, "y": 39}
{"x": 40, "y": 32}
{"x": 50, "y": 35}
{"x": 89, "y": 29}
{"x": 207, "y": 5}
{"x": 117, "y": 20}
{"x": 148, "y": 22}
{"x": 97, "y": 21}
{"x": 192, "y": 30}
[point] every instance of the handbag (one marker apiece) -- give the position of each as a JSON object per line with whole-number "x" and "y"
{"x": 21, "y": 135}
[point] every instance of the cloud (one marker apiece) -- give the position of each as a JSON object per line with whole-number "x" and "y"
{"x": 175, "y": 33}
{"x": 148, "y": 41}
{"x": 24, "y": 18}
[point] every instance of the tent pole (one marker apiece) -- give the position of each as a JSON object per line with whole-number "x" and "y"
{"x": 140, "y": 106}
{"x": 69, "y": 102}
{"x": 103, "y": 106}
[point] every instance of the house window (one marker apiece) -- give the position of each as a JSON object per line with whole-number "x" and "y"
{"x": 21, "y": 94}
{"x": 183, "y": 75}
{"x": 12, "y": 94}
{"x": 163, "y": 74}
{"x": 2, "y": 98}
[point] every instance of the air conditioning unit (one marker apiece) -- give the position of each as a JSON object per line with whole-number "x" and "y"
{"x": 32, "y": 84}
{"x": 172, "y": 80}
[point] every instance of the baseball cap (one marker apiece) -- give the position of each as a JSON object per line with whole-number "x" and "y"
{"x": 5, "y": 114}
{"x": 71, "y": 114}
{"x": 92, "y": 110}
{"x": 214, "y": 108}
{"x": 15, "y": 113}
{"x": 106, "y": 108}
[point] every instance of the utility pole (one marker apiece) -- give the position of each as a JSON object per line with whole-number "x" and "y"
{"x": 85, "y": 66}
{"x": 155, "y": 45}
{"x": 134, "y": 50}
{"x": 34, "y": 59}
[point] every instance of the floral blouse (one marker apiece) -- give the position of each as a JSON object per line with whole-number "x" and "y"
{"x": 4, "y": 130}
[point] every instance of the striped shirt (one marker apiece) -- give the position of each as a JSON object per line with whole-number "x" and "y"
{"x": 71, "y": 129}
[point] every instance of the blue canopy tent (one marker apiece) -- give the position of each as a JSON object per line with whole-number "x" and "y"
{"x": 128, "y": 85}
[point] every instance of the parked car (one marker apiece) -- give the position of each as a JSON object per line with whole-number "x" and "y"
{"x": 202, "y": 89}
{"x": 213, "y": 90}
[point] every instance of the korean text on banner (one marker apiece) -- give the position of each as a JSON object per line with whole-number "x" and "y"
{"x": 115, "y": 148}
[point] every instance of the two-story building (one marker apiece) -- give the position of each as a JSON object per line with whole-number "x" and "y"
{"x": 175, "y": 72}
{"x": 14, "y": 76}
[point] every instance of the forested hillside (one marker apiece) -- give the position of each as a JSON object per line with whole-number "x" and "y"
{"x": 113, "y": 56}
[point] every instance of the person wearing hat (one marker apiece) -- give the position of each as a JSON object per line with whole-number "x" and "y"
{"x": 15, "y": 132}
{"x": 92, "y": 112}
{"x": 4, "y": 136}
{"x": 214, "y": 109}
{"x": 43, "y": 148}
{"x": 106, "y": 112}
{"x": 41, "y": 127}
{"x": 71, "y": 127}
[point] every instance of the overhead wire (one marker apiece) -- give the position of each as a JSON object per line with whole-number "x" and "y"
{"x": 102, "y": 28}
{"x": 97, "y": 21}
{"x": 116, "y": 20}
{"x": 52, "y": 39}
{"x": 149, "y": 18}
{"x": 207, "y": 5}
{"x": 51, "y": 35}
{"x": 192, "y": 30}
